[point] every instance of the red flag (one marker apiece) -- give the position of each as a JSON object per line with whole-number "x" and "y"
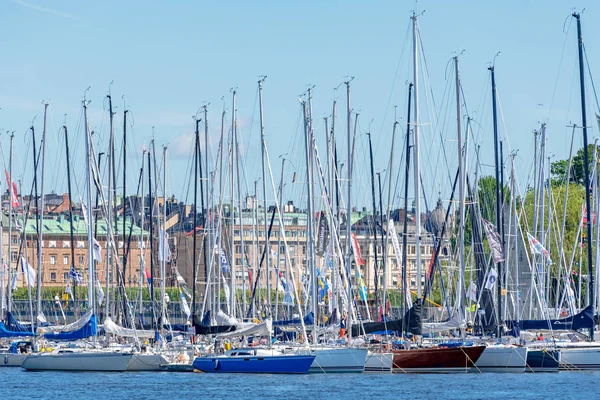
{"x": 14, "y": 198}
{"x": 356, "y": 248}
{"x": 584, "y": 215}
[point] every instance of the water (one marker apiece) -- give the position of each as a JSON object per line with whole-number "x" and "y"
{"x": 18, "y": 384}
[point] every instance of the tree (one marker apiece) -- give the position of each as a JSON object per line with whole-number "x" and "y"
{"x": 558, "y": 169}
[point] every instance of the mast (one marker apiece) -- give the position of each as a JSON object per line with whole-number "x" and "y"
{"x": 151, "y": 205}
{"x": 71, "y": 233}
{"x": 311, "y": 208}
{"x": 281, "y": 233}
{"x": 10, "y": 217}
{"x": 195, "y": 218}
{"x": 349, "y": 210}
{"x": 586, "y": 170}
{"x": 264, "y": 187}
{"x": 417, "y": 157}
{"x": 461, "y": 201}
{"x": 109, "y": 216}
{"x": 125, "y": 255}
{"x": 208, "y": 197}
{"x": 41, "y": 218}
{"x": 91, "y": 272}
{"x": 232, "y": 207}
{"x": 165, "y": 244}
{"x": 497, "y": 169}
{"x": 405, "y": 292}
{"x": 376, "y": 277}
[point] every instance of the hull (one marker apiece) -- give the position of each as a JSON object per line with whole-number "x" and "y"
{"x": 436, "y": 360}
{"x": 146, "y": 362}
{"x": 292, "y": 364}
{"x": 502, "y": 359}
{"x": 379, "y": 362}
{"x": 84, "y": 361}
{"x": 543, "y": 360}
{"x": 579, "y": 358}
{"x": 343, "y": 359}
{"x": 11, "y": 360}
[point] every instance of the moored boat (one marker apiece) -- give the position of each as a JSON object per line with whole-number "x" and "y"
{"x": 502, "y": 358}
{"x": 71, "y": 360}
{"x": 254, "y": 361}
{"x": 436, "y": 359}
{"x": 543, "y": 360}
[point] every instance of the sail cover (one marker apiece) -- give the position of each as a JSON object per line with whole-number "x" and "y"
{"x": 72, "y": 326}
{"x": 111, "y": 327}
{"x": 583, "y": 320}
{"x": 308, "y": 320}
{"x": 89, "y": 329}
{"x": 6, "y": 333}
{"x": 262, "y": 329}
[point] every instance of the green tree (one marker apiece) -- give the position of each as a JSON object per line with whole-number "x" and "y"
{"x": 559, "y": 169}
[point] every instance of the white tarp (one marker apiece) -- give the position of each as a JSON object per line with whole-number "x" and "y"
{"x": 252, "y": 330}
{"x": 69, "y": 327}
{"x": 111, "y": 327}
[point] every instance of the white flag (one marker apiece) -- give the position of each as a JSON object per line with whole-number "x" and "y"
{"x": 68, "y": 289}
{"x": 494, "y": 240}
{"x": 97, "y": 251}
{"x": 472, "y": 292}
{"x": 28, "y": 272}
{"x": 492, "y": 278}
{"x": 184, "y": 305}
{"x": 99, "y": 292}
{"x": 13, "y": 286}
{"x": 164, "y": 251}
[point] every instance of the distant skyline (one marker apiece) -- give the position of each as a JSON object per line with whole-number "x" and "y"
{"x": 168, "y": 59}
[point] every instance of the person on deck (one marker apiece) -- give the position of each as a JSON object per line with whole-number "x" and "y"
{"x": 343, "y": 326}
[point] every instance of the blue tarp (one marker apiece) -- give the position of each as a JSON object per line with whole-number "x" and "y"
{"x": 6, "y": 333}
{"x": 308, "y": 320}
{"x": 583, "y": 320}
{"x": 89, "y": 329}
{"x": 14, "y": 325}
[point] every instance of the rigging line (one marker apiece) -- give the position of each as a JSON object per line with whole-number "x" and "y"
{"x": 560, "y": 63}
{"x": 591, "y": 78}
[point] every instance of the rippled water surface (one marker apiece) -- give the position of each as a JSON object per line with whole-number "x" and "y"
{"x": 18, "y": 384}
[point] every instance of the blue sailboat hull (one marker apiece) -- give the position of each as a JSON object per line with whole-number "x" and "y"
{"x": 292, "y": 364}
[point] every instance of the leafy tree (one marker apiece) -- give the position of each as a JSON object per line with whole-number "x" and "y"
{"x": 559, "y": 169}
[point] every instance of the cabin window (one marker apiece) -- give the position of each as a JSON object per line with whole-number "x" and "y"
{"x": 52, "y": 259}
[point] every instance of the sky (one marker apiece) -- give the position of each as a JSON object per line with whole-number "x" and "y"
{"x": 167, "y": 59}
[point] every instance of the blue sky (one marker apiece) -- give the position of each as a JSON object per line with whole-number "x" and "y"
{"x": 169, "y": 58}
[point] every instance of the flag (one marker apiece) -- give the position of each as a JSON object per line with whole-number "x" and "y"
{"x": 584, "y": 215}
{"x": 322, "y": 235}
{"x": 13, "y": 285}
{"x": 184, "y": 305}
{"x": 182, "y": 284}
{"x": 68, "y": 289}
{"x": 28, "y": 272}
{"x": 328, "y": 263}
{"x": 148, "y": 276}
{"x": 75, "y": 275}
{"x": 14, "y": 197}
{"x": 97, "y": 251}
{"x": 491, "y": 279}
{"x": 536, "y": 247}
{"x": 494, "y": 240}
{"x": 99, "y": 292}
{"x": 356, "y": 250}
{"x": 223, "y": 260}
{"x": 472, "y": 292}
{"x": 362, "y": 289}
{"x": 164, "y": 251}
{"x": 84, "y": 212}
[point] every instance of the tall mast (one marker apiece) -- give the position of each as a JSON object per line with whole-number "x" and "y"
{"x": 41, "y": 213}
{"x": 461, "y": 200}
{"x": 195, "y": 218}
{"x": 264, "y": 187}
{"x": 376, "y": 277}
{"x": 497, "y": 168}
{"x": 232, "y": 208}
{"x": 163, "y": 311}
{"x": 91, "y": 273}
{"x": 586, "y": 170}
{"x": 125, "y": 189}
{"x": 405, "y": 292}
{"x": 109, "y": 215}
{"x": 349, "y": 210}
{"x": 311, "y": 208}
{"x": 417, "y": 156}
{"x": 206, "y": 210}
{"x": 72, "y": 236}
{"x": 10, "y": 217}
{"x": 151, "y": 205}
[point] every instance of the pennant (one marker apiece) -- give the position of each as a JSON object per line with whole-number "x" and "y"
{"x": 472, "y": 292}
{"x": 182, "y": 284}
{"x": 148, "y": 276}
{"x": 97, "y": 251}
{"x": 99, "y": 292}
{"x": 356, "y": 250}
{"x": 28, "y": 273}
{"x": 494, "y": 240}
{"x": 536, "y": 248}
{"x": 164, "y": 251}
{"x": 322, "y": 235}
{"x": 492, "y": 278}
{"x": 328, "y": 263}
{"x": 184, "y": 305}
{"x": 14, "y": 196}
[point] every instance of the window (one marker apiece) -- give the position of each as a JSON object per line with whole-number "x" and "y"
{"x": 65, "y": 260}
{"x": 52, "y": 259}
{"x": 80, "y": 260}
{"x": 53, "y": 277}
{"x": 66, "y": 276}
{"x": 14, "y": 239}
{"x": 13, "y": 256}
